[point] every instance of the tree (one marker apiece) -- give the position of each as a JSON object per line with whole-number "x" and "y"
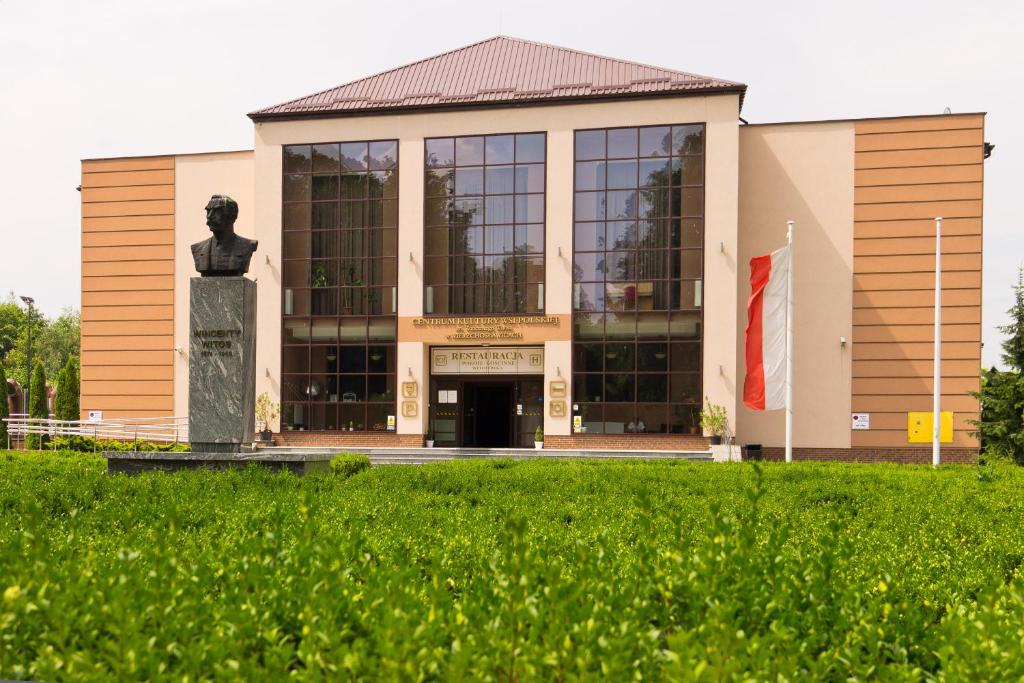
{"x": 58, "y": 340}
{"x": 1001, "y": 423}
{"x": 4, "y": 411}
{"x": 66, "y": 404}
{"x": 38, "y": 407}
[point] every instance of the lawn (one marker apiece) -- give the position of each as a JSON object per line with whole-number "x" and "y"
{"x": 496, "y": 570}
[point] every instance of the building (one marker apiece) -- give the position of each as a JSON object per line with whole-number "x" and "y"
{"x": 512, "y": 235}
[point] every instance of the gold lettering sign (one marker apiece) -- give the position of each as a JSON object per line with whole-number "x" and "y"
{"x": 409, "y": 409}
{"x": 557, "y": 388}
{"x": 475, "y": 360}
{"x": 556, "y": 408}
{"x": 500, "y": 327}
{"x": 409, "y": 389}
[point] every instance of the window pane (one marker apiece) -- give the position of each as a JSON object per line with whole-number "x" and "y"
{"x": 295, "y": 359}
{"x": 325, "y": 187}
{"x": 588, "y": 326}
{"x": 652, "y": 388}
{"x": 588, "y": 358}
{"x": 352, "y": 217}
{"x": 325, "y": 158}
{"x": 384, "y": 155}
{"x": 500, "y": 149}
{"x": 588, "y": 296}
{"x": 469, "y": 181}
{"x": 622, "y": 174}
{"x": 651, "y": 419}
{"x": 655, "y": 141}
{"x": 685, "y": 356}
{"x": 440, "y": 152}
{"x": 590, "y": 144}
{"x": 529, "y": 208}
{"x": 590, "y": 206}
{"x": 691, "y": 171}
{"x": 296, "y": 188}
{"x": 622, "y": 204}
{"x": 500, "y": 180}
{"x": 688, "y": 139}
{"x": 297, "y": 159}
{"x": 655, "y": 173}
{"x": 440, "y": 182}
{"x": 499, "y": 239}
{"x": 693, "y": 202}
{"x": 296, "y": 216}
{"x": 588, "y": 267}
{"x": 500, "y": 209}
{"x": 621, "y": 235}
{"x": 622, "y": 143}
{"x": 619, "y": 387}
{"x": 529, "y": 178}
{"x": 619, "y": 357}
{"x": 652, "y": 358}
{"x": 530, "y": 148}
{"x": 588, "y": 388}
{"x": 354, "y": 156}
{"x": 468, "y": 240}
{"x": 590, "y": 175}
{"x": 684, "y": 387}
{"x": 589, "y": 236}
{"x": 382, "y": 184}
{"x": 469, "y": 151}
{"x": 530, "y": 238}
{"x": 468, "y": 212}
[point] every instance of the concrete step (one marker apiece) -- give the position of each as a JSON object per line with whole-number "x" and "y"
{"x": 427, "y": 455}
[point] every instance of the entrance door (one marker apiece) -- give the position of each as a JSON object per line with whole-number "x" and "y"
{"x": 488, "y": 418}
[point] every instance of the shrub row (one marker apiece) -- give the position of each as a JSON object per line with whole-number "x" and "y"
{"x": 511, "y": 571}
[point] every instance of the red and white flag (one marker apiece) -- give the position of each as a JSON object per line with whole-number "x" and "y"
{"x": 764, "y": 387}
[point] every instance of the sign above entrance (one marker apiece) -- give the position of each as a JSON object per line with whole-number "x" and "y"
{"x": 499, "y": 327}
{"x": 483, "y": 360}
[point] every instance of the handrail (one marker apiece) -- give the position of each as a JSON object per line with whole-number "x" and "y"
{"x": 169, "y": 429}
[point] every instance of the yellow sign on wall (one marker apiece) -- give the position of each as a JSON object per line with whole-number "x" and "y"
{"x": 919, "y": 427}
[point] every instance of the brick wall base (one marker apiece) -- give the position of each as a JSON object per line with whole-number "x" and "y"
{"x": 629, "y": 442}
{"x": 906, "y": 455}
{"x": 342, "y": 439}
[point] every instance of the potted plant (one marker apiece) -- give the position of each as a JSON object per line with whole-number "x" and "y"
{"x": 266, "y": 412}
{"x": 714, "y": 420}
{"x": 430, "y": 437}
{"x": 538, "y": 438}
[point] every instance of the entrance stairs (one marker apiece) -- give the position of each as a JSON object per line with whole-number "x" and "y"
{"x": 423, "y": 456}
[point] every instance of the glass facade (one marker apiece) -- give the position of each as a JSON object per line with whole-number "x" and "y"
{"x": 339, "y": 280}
{"x": 638, "y": 243}
{"x": 484, "y": 224}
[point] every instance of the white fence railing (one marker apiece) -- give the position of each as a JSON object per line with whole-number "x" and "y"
{"x": 164, "y": 429}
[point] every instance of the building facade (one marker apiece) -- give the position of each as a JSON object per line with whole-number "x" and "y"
{"x": 513, "y": 235}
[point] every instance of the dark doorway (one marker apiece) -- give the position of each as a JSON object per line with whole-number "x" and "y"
{"x": 489, "y": 411}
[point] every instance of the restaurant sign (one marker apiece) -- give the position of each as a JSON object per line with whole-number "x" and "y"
{"x": 483, "y": 360}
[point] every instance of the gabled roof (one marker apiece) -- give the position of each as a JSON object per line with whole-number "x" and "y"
{"x": 498, "y": 71}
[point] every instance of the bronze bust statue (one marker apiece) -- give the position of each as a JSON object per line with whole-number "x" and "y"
{"x": 225, "y": 253}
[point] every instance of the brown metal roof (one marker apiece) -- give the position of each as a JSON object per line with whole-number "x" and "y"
{"x": 498, "y": 71}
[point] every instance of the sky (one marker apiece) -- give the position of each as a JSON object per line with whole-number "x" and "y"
{"x": 109, "y": 78}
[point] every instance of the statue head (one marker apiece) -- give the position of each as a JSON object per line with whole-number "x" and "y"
{"x": 221, "y": 212}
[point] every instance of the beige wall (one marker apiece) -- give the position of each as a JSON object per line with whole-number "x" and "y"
{"x": 802, "y": 172}
{"x": 199, "y": 176}
{"x": 719, "y": 112}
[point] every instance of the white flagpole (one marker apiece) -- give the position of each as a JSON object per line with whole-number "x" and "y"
{"x": 789, "y": 345}
{"x": 937, "y": 380}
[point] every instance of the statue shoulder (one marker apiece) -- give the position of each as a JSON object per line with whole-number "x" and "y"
{"x": 249, "y": 245}
{"x": 201, "y": 246}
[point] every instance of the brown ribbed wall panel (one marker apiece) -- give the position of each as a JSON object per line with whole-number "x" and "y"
{"x": 907, "y": 171}
{"x": 128, "y": 286}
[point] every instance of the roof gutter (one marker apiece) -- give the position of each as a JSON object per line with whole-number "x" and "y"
{"x": 259, "y": 117}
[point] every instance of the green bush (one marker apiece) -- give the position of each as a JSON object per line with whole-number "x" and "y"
{"x": 88, "y": 444}
{"x": 4, "y": 408}
{"x": 543, "y": 571}
{"x": 349, "y": 464}
{"x": 38, "y": 406}
{"x": 66, "y": 403}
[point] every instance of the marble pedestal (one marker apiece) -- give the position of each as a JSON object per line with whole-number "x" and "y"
{"x": 222, "y": 364}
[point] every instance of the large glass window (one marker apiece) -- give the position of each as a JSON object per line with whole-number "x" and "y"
{"x": 484, "y": 224}
{"x": 637, "y": 278}
{"x": 339, "y": 279}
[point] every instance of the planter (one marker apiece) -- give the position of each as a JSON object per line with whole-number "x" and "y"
{"x": 267, "y": 435}
{"x": 430, "y": 443}
{"x": 716, "y": 440}
{"x": 538, "y": 445}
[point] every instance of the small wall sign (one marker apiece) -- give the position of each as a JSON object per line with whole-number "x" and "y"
{"x": 409, "y": 408}
{"x": 557, "y": 388}
{"x": 95, "y": 415}
{"x": 861, "y": 421}
{"x": 409, "y": 389}
{"x": 556, "y": 408}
